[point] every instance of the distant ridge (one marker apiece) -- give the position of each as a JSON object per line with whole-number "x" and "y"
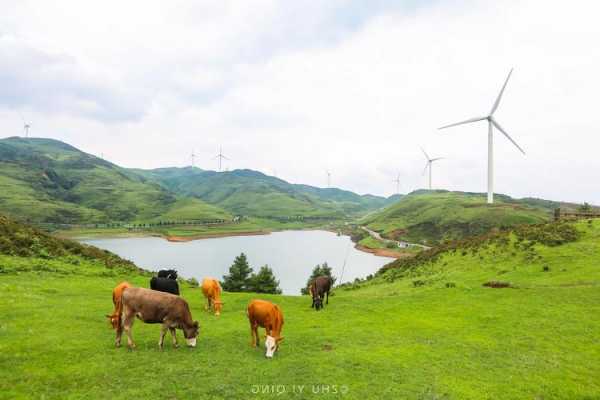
{"x": 250, "y": 192}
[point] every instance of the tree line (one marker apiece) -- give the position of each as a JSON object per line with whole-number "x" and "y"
{"x": 242, "y": 278}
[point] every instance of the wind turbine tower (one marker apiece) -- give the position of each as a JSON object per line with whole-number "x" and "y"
{"x": 429, "y": 164}
{"x": 221, "y": 157}
{"x": 492, "y": 123}
{"x": 193, "y": 156}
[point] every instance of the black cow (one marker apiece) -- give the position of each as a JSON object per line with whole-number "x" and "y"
{"x": 318, "y": 288}
{"x": 164, "y": 285}
{"x": 167, "y": 273}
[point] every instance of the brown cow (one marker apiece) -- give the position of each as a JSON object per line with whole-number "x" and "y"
{"x": 320, "y": 287}
{"x": 154, "y": 307}
{"x": 269, "y": 316}
{"x": 117, "y": 292}
{"x": 212, "y": 291}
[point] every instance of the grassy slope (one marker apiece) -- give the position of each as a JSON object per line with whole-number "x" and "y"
{"x": 386, "y": 340}
{"x": 450, "y": 215}
{"x": 45, "y": 180}
{"x": 248, "y": 192}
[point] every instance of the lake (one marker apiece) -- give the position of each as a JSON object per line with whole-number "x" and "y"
{"x": 291, "y": 254}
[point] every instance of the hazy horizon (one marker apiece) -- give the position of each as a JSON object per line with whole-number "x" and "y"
{"x": 293, "y": 89}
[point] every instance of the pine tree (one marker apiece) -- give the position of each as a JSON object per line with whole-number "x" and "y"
{"x": 264, "y": 281}
{"x": 238, "y": 279}
{"x": 319, "y": 270}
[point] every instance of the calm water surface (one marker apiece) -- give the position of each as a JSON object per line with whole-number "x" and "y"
{"x": 291, "y": 254}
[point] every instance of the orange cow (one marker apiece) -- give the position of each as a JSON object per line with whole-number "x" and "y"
{"x": 269, "y": 316}
{"x": 117, "y": 293}
{"x": 212, "y": 291}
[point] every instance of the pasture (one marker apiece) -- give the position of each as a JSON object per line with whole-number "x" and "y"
{"x": 537, "y": 340}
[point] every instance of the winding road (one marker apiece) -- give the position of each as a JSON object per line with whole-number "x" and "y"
{"x": 377, "y": 236}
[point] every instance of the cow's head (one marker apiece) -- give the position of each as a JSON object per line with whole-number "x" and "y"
{"x": 191, "y": 333}
{"x": 218, "y": 305}
{"x": 318, "y": 302}
{"x": 272, "y": 345}
{"x": 114, "y": 320}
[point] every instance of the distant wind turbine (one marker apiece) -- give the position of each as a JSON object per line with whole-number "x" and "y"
{"x": 491, "y": 123}
{"x": 328, "y": 178}
{"x": 397, "y": 180}
{"x": 221, "y": 157}
{"x": 26, "y": 127}
{"x": 429, "y": 163}
{"x": 193, "y": 157}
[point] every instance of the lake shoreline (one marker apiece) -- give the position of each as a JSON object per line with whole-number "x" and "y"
{"x": 387, "y": 253}
{"x": 82, "y": 235}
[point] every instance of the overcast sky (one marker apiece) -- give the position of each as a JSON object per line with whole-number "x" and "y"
{"x": 300, "y": 87}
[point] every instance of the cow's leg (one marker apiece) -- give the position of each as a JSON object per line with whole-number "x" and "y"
{"x": 174, "y": 337}
{"x": 119, "y": 332}
{"x": 128, "y": 324}
{"x": 163, "y": 331}
{"x": 327, "y": 302}
{"x": 254, "y": 333}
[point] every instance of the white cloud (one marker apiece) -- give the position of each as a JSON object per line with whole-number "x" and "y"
{"x": 300, "y": 87}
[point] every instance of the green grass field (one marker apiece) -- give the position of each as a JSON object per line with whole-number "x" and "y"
{"x": 385, "y": 338}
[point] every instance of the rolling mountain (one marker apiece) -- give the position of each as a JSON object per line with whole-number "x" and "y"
{"x": 249, "y": 192}
{"x": 434, "y": 216}
{"x": 48, "y": 181}
{"x": 45, "y": 180}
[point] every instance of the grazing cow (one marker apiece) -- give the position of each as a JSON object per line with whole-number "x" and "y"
{"x": 318, "y": 288}
{"x": 269, "y": 316}
{"x": 212, "y": 291}
{"x": 167, "y": 285}
{"x": 117, "y": 292}
{"x": 167, "y": 273}
{"x": 155, "y": 307}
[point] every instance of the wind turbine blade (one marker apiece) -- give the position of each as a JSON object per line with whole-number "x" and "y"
{"x": 468, "y": 121}
{"x": 426, "y": 155}
{"x": 495, "y": 106}
{"x": 497, "y": 125}
{"x": 435, "y": 159}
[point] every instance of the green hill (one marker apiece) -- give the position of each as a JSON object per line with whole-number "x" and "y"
{"x": 248, "y": 192}
{"x": 440, "y": 215}
{"x": 429, "y": 330}
{"x": 44, "y": 180}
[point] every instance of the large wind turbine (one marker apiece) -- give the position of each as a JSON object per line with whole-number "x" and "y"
{"x": 221, "y": 157}
{"x": 491, "y": 123}
{"x": 430, "y": 162}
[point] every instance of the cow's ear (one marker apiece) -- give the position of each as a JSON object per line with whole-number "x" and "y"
{"x": 109, "y": 316}
{"x": 280, "y": 339}
{"x": 196, "y": 324}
